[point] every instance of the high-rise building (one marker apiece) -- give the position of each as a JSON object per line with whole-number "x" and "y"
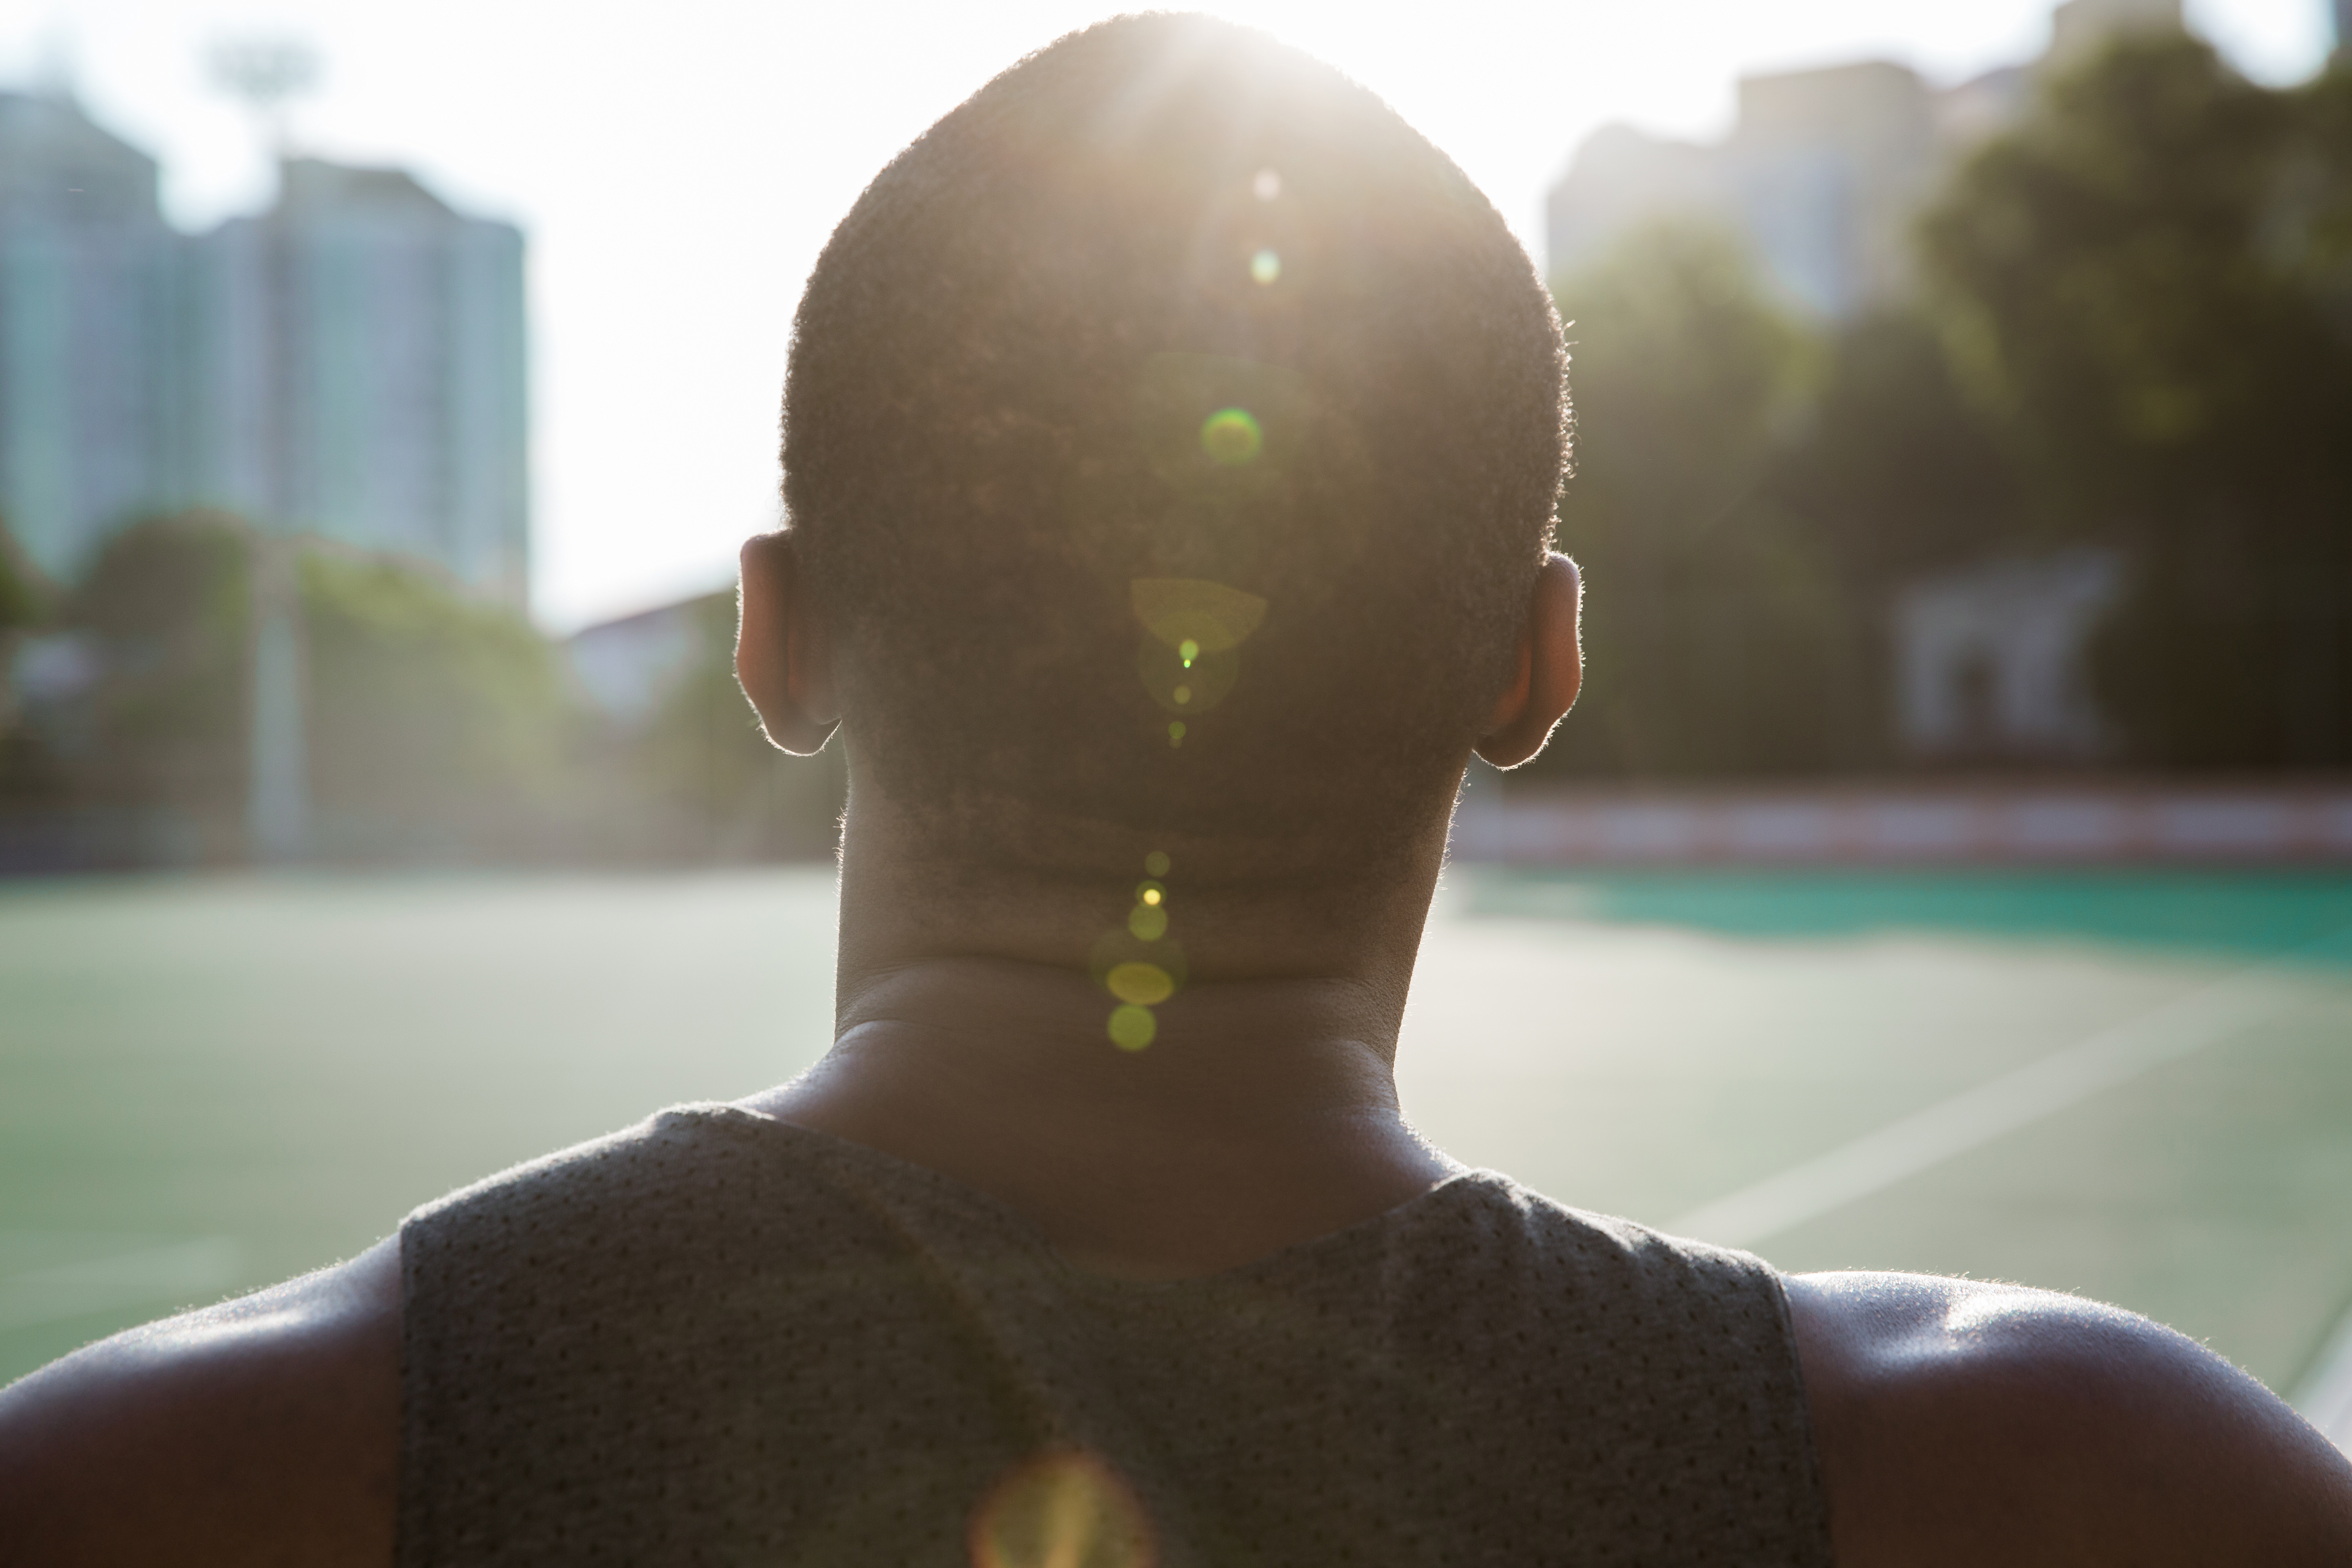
{"x": 1823, "y": 171}
{"x": 350, "y": 363}
{"x": 87, "y": 331}
{"x": 355, "y": 357}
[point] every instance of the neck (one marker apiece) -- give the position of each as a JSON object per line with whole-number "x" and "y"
{"x": 971, "y": 1038}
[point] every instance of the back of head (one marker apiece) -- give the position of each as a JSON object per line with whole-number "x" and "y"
{"x": 1171, "y": 436}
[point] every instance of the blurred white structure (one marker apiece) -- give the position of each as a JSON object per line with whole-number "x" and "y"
{"x": 1824, "y": 170}
{"x": 351, "y": 363}
{"x": 1990, "y": 660}
{"x": 87, "y": 330}
{"x": 627, "y": 667}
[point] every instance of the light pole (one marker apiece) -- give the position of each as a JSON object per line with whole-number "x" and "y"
{"x": 267, "y": 73}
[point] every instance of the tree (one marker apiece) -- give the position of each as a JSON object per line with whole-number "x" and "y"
{"x": 434, "y": 723}
{"x": 24, "y": 597}
{"x": 1894, "y": 470}
{"x": 1721, "y": 636}
{"x": 434, "y": 720}
{"x": 2143, "y": 285}
{"x": 27, "y": 602}
{"x": 165, "y": 613}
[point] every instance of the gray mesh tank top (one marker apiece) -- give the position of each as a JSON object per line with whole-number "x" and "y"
{"x": 719, "y": 1338}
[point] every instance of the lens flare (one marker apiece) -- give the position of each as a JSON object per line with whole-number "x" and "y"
{"x": 1148, "y": 922}
{"x": 1267, "y": 185}
{"x": 1230, "y": 437}
{"x": 1211, "y": 616}
{"x": 1175, "y": 734}
{"x": 1150, "y": 893}
{"x": 1188, "y": 650}
{"x": 1132, "y": 1027}
{"x": 1183, "y": 694}
{"x": 1140, "y": 985}
{"x": 1156, "y": 864}
{"x": 1061, "y": 1511}
{"x": 1265, "y": 267}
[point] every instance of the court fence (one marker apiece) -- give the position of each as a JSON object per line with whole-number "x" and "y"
{"x": 1929, "y": 824}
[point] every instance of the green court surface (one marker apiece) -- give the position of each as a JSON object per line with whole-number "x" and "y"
{"x": 2137, "y": 1087}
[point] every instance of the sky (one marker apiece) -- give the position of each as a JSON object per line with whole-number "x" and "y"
{"x": 677, "y": 165}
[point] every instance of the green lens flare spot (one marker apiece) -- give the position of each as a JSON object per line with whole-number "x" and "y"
{"x": 1175, "y": 738}
{"x": 1149, "y": 893}
{"x": 1210, "y": 615}
{"x": 1140, "y": 985}
{"x": 1188, "y": 650}
{"x": 1156, "y": 863}
{"x": 1230, "y": 437}
{"x": 1132, "y": 1027}
{"x": 1265, "y": 267}
{"x": 1147, "y": 922}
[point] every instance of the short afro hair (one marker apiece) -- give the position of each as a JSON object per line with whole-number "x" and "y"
{"x": 1169, "y": 303}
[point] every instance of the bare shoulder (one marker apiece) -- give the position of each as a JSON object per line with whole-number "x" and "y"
{"x": 263, "y": 1430}
{"x": 1968, "y": 1423}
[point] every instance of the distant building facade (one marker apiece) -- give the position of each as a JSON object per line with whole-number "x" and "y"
{"x": 88, "y": 318}
{"x": 1824, "y": 171}
{"x": 358, "y": 356}
{"x": 350, "y": 363}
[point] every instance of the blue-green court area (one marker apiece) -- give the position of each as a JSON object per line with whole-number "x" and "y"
{"x": 2134, "y": 1086}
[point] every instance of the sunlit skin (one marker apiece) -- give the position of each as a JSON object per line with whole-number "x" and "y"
{"x": 1957, "y": 1423}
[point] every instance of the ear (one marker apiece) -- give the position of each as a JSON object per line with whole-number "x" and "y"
{"x": 1551, "y": 668}
{"x": 782, "y": 655}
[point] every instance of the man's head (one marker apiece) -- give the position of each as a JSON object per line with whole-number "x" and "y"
{"x": 1170, "y": 443}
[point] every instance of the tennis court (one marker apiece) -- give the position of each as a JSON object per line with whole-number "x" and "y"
{"x": 2138, "y": 1086}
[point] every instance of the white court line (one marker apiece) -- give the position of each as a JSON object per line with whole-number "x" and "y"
{"x": 2326, "y": 1397}
{"x": 2015, "y": 1098}
{"x": 184, "y": 1272}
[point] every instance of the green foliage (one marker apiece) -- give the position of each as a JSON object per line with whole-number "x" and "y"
{"x": 167, "y": 608}
{"x": 1677, "y": 352}
{"x": 432, "y": 721}
{"x": 2146, "y": 288}
{"x": 1720, "y": 636}
{"x": 2317, "y": 235}
{"x": 2137, "y": 333}
{"x": 2109, "y": 290}
{"x": 27, "y": 602}
{"x": 434, "y": 724}
{"x": 426, "y": 708}
{"x": 1894, "y": 471}
{"x": 25, "y": 598}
